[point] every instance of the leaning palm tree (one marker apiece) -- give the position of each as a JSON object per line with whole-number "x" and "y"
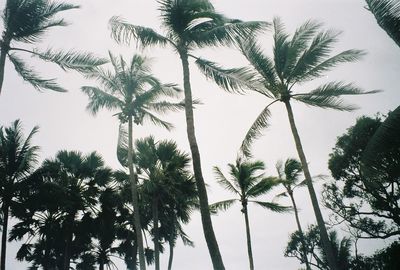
{"x": 289, "y": 176}
{"x": 387, "y": 14}
{"x": 25, "y": 23}
{"x": 298, "y": 59}
{"x": 17, "y": 160}
{"x": 135, "y": 94}
{"x": 190, "y": 24}
{"x": 247, "y": 182}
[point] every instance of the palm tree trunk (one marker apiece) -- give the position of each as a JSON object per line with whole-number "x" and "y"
{"x": 156, "y": 234}
{"x": 249, "y": 251}
{"x": 4, "y": 47}
{"x": 101, "y": 266}
{"x": 296, "y": 214}
{"x": 4, "y": 236}
{"x": 135, "y": 197}
{"x": 317, "y": 211}
{"x": 171, "y": 255}
{"x": 208, "y": 230}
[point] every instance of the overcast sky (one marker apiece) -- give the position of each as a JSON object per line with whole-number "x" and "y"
{"x": 222, "y": 120}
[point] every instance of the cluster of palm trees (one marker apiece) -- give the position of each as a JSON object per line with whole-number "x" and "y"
{"x": 158, "y": 192}
{"x": 75, "y": 210}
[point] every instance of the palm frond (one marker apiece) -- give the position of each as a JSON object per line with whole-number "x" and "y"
{"x": 387, "y": 14}
{"x": 273, "y": 206}
{"x": 319, "y": 69}
{"x": 225, "y": 183}
{"x": 328, "y": 96}
{"x": 255, "y": 131}
{"x": 124, "y": 32}
{"x": 29, "y": 75}
{"x": 122, "y": 145}
{"x": 82, "y": 62}
{"x": 299, "y": 42}
{"x": 221, "y": 206}
{"x": 263, "y": 64}
{"x": 157, "y": 121}
{"x": 100, "y": 99}
{"x": 262, "y": 187}
{"x": 281, "y": 47}
{"x": 314, "y": 54}
{"x": 27, "y": 21}
{"x": 165, "y": 106}
{"x": 235, "y": 80}
{"x": 384, "y": 138}
{"x": 227, "y": 33}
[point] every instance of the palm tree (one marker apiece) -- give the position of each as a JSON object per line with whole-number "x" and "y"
{"x": 248, "y": 183}
{"x": 17, "y": 160}
{"x": 25, "y": 23}
{"x": 167, "y": 184}
{"x": 298, "y": 59}
{"x": 190, "y": 24}
{"x": 289, "y": 177}
{"x": 134, "y": 93}
{"x": 387, "y": 14}
{"x": 79, "y": 179}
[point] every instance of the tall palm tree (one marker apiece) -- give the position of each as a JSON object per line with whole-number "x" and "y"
{"x": 247, "y": 182}
{"x": 387, "y": 14}
{"x": 289, "y": 176}
{"x": 190, "y": 24}
{"x": 17, "y": 160}
{"x": 79, "y": 179}
{"x": 168, "y": 185}
{"x": 25, "y": 23}
{"x": 297, "y": 59}
{"x": 135, "y": 94}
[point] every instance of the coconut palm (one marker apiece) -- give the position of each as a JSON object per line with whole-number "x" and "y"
{"x": 135, "y": 94}
{"x": 189, "y": 24}
{"x": 387, "y": 14}
{"x": 168, "y": 186}
{"x": 25, "y": 23}
{"x": 297, "y": 59}
{"x": 17, "y": 160}
{"x": 247, "y": 182}
{"x": 289, "y": 175}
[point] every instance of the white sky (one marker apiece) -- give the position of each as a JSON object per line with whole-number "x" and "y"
{"x": 221, "y": 122}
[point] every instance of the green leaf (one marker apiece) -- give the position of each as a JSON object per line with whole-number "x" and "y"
{"x": 31, "y": 77}
{"x": 221, "y": 206}
{"x": 273, "y": 206}
{"x": 235, "y": 80}
{"x": 79, "y": 61}
{"x": 123, "y": 32}
{"x": 225, "y": 183}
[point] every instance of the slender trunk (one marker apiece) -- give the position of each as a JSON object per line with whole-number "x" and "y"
{"x": 4, "y": 237}
{"x": 171, "y": 255}
{"x": 303, "y": 243}
{"x": 320, "y": 221}
{"x": 67, "y": 249}
{"x": 156, "y": 234}
{"x": 4, "y": 47}
{"x": 135, "y": 198}
{"x": 101, "y": 266}
{"x": 249, "y": 251}
{"x": 208, "y": 230}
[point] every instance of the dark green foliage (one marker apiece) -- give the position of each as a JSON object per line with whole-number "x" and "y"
{"x": 387, "y": 14}
{"x": 26, "y": 22}
{"x": 365, "y": 197}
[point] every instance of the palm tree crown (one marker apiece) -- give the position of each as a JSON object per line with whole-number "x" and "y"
{"x": 25, "y": 23}
{"x": 248, "y": 183}
{"x": 17, "y": 161}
